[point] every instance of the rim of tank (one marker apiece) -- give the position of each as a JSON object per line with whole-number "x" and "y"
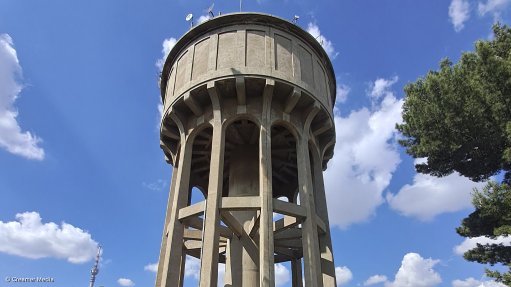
{"x": 243, "y": 18}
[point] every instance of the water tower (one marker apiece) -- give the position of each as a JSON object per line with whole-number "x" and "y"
{"x": 248, "y": 120}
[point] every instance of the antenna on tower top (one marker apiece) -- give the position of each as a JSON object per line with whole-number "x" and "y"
{"x": 95, "y": 269}
{"x": 241, "y": 1}
{"x": 210, "y": 10}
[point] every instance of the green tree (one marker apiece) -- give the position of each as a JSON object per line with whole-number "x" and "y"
{"x": 492, "y": 218}
{"x": 459, "y": 118}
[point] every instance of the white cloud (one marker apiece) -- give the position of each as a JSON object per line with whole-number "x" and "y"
{"x": 156, "y": 185}
{"x": 471, "y": 282}
{"x": 167, "y": 45}
{"x": 151, "y": 267}
{"x": 430, "y": 196}
{"x": 160, "y": 110}
{"x": 459, "y": 13}
{"x": 343, "y": 275}
{"x": 365, "y": 158}
{"x": 29, "y": 237}
{"x": 495, "y": 7}
{"x": 375, "y": 279}
{"x": 342, "y": 93}
{"x": 313, "y": 29}
{"x": 282, "y": 275}
{"x": 416, "y": 271}
{"x": 381, "y": 87}
{"x": 125, "y": 282}
{"x": 192, "y": 267}
{"x": 203, "y": 18}
{"x": 192, "y": 270}
{"x": 221, "y": 274}
{"x": 470, "y": 243}
{"x": 11, "y": 137}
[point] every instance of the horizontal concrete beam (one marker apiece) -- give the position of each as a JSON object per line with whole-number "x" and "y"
{"x": 289, "y": 243}
{"x": 193, "y": 244}
{"x": 241, "y": 203}
{"x": 290, "y": 233}
{"x": 285, "y": 223}
{"x": 288, "y": 208}
{"x": 196, "y": 209}
{"x": 198, "y": 223}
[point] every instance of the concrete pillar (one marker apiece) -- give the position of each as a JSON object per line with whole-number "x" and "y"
{"x": 325, "y": 241}
{"x": 311, "y": 257}
{"x": 182, "y": 271}
{"x": 266, "y": 248}
{"x": 170, "y": 275}
{"x": 233, "y": 263}
{"x": 210, "y": 239}
{"x": 296, "y": 271}
{"x": 244, "y": 181}
{"x": 165, "y": 231}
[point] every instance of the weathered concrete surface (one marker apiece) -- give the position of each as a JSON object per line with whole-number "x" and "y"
{"x": 248, "y": 119}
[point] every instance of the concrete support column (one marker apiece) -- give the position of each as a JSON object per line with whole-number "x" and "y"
{"x": 233, "y": 270}
{"x": 311, "y": 256}
{"x": 266, "y": 263}
{"x": 165, "y": 231}
{"x": 325, "y": 241}
{"x": 210, "y": 240}
{"x": 296, "y": 271}
{"x": 182, "y": 271}
{"x": 171, "y": 268}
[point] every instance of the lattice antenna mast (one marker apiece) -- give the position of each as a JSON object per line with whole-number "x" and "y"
{"x": 95, "y": 269}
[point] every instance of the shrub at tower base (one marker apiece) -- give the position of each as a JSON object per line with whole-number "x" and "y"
{"x": 459, "y": 118}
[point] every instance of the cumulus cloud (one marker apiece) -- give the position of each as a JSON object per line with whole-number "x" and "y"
{"x": 375, "y": 279}
{"x": 167, "y": 45}
{"x": 416, "y": 271}
{"x": 153, "y": 267}
{"x": 29, "y": 237}
{"x": 343, "y": 275}
{"x": 125, "y": 282}
{"x": 192, "y": 267}
{"x": 12, "y": 138}
{"x": 282, "y": 275}
{"x": 313, "y": 29}
{"x": 382, "y": 87}
{"x": 365, "y": 157}
{"x": 471, "y": 243}
{"x": 342, "y": 93}
{"x": 192, "y": 270}
{"x": 203, "y": 18}
{"x": 430, "y": 196}
{"x": 471, "y": 282}
{"x": 494, "y": 7}
{"x": 459, "y": 13}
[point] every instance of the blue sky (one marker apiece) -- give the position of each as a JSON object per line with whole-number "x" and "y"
{"x": 80, "y": 162}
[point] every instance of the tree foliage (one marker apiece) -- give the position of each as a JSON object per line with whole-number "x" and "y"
{"x": 492, "y": 218}
{"x": 460, "y": 116}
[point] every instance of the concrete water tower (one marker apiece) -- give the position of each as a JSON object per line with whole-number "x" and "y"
{"x": 248, "y": 120}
